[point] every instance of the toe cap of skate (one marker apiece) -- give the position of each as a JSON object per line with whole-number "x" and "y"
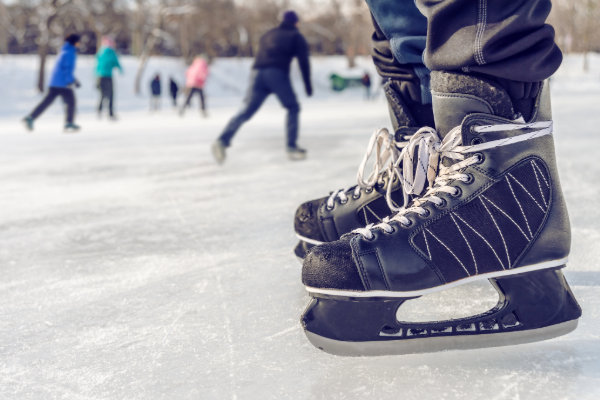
{"x": 306, "y": 222}
{"x": 330, "y": 266}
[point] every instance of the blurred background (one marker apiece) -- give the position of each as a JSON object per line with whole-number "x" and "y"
{"x": 225, "y": 28}
{"x": 179, "y": 28}
{"x": 182, "y": 29}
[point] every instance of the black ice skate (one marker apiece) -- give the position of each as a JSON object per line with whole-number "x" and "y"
{"x": 495, "y": 210}
{"x": 328, "y": 218}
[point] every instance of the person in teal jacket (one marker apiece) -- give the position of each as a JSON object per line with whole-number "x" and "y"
{"x": 107, "y": 60}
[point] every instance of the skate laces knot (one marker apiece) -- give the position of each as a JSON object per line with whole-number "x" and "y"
{"x": 426, "y": 166}
{"x": 386, "y": 147}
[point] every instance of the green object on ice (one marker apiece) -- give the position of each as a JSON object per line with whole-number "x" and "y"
{"x": 339, "y": 83}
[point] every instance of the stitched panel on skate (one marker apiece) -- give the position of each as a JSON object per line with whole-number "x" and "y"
{"x": 446, "y": 245}
{"x": 459, "y": 302}
{"x": 489, "y": 233}
{"x": 378, "y": 209}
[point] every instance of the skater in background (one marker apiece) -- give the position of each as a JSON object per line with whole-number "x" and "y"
{"x": 174, "y": 90}
{"x": 195, "y": 77}
{"x": 61, "y": 84}
{"x": 271, "y": 74}
{"x": 155, "y": 91}
{"x": 366, "y": 81}
{"x": 107, "y": 60}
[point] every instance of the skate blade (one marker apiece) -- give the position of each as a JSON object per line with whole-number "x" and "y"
{"x": 309, "y": 241}
{"x": 296, "y": 157}
{"x": 437, "y": 344}
{"x": 303, "y": 247}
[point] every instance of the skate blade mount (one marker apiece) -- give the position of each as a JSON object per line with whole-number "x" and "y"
{"x": 302, "y": 249}
{"x": 532, "y": 307}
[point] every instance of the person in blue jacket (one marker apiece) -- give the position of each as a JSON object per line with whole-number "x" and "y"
{"x": 61, "y": 84}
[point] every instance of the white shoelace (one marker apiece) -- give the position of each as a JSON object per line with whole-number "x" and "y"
{"x": 432, "y": 150}
{"x": 387, "y": 147}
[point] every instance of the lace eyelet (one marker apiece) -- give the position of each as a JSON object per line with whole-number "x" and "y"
{"x": 472, "y": 129}
{"x": 369, "y": 190}
{"x": 355, "y": 197}
{"x": 426, "y": 214}
{"x": 443, "y": 204}
{"x": 470, "y": 180}
{"x": 407, "y": 225}
{"x": 480, "y": 158}
{"x": 367, "y": 239}
{"x": 476, "y": 141}
{"x": 329, "y": 208}
{"x": 390, "y": 232}
{"x": 343, "y": 201}
{"x": 458, "y": 192}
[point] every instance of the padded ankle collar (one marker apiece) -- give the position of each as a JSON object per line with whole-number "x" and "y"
{"x": 457, "y": 95}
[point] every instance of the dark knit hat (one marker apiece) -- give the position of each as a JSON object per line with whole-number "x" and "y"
{"x": 290, "y": 17}
{"x": 72, "y": 39}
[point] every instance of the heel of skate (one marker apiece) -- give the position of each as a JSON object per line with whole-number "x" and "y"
{"x": 532, "y": 307}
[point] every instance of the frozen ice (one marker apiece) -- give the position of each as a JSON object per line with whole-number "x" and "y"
{"x": 134, "y": 267}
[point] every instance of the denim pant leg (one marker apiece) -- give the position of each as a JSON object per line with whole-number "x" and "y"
{"x": 45, "y": 103}
{"x": 257, "y": 94}
{"x": 280, "y": 84}
{"x": 406, "y": 29}
{"x": 68, "y": 96}
{"x": 202, "y": 101}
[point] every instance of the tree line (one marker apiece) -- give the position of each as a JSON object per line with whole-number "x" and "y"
{"x": 182, "y": 28}
{"x": 225, "y": 28}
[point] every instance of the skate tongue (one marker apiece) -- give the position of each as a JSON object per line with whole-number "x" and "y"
{"x": 456, "y": 95}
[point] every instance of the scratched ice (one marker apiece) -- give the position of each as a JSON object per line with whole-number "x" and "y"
{"x": 133, "y": 267}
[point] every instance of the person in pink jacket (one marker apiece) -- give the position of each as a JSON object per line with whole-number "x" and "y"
{"x": 195, "y": 76}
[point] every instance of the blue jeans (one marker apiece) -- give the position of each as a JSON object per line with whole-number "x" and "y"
{"x": 265, "y": 81}
{"x": 406, "y": 29}
{"x": 506, "y": 39}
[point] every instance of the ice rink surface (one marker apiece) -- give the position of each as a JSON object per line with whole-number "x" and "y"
{"x": 133, "y": 267}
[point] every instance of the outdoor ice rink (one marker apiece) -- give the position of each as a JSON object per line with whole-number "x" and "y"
{"x": 134, "y": 267}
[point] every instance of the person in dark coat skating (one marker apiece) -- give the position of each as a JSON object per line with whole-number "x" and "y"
{"x": 366, "y": 81}
{"x": 155, "y": 90}
{"x": 271, "y": 74}
{"x": 61, "y": 84}
{"x": 174, "y": 89}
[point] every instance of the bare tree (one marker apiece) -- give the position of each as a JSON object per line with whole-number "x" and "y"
{"x": 220, "y": 28}
{"x": 159, "y": 12}
{"x": 104, "y": 17}
{"x": 47, "y": 12}
{"x": 577, "y": 26}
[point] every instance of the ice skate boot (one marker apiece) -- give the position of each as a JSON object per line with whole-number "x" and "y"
{"x": 71, "y": 128}
{"x": 328, "y": 218}
{"x": 219, "y": 152}
{"x": 28, "y": 122}
{"x": 296, "y": 153}
{"x": 494, "y": 210}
